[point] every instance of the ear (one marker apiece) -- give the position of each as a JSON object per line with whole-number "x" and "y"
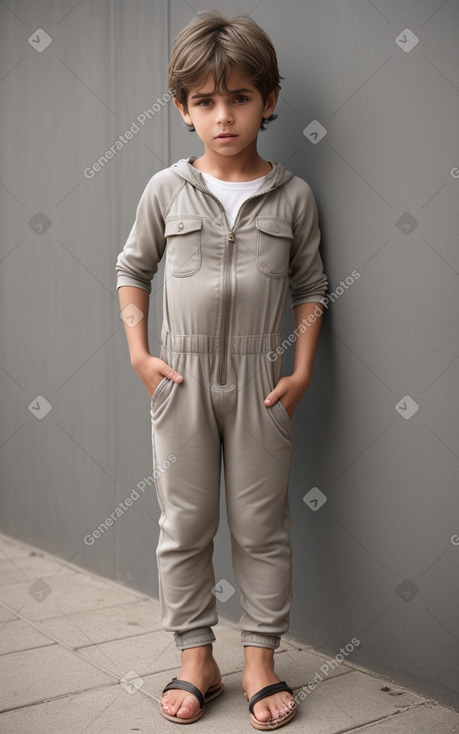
{"x": 270, "y": 104}
{"x": 184, "y": 112}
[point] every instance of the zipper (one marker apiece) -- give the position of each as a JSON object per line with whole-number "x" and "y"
{"x": 227, "y": 273}
{"x": 226, "y": 311}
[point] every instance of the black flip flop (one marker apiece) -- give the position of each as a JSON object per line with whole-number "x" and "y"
{"x": 183, "y": 685}
{"x": 271, "y": 724}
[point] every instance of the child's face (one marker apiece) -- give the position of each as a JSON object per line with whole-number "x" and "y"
{"x": 227, "y": 124}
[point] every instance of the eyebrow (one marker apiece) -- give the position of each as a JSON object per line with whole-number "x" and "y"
{"x": 212, "y": 94}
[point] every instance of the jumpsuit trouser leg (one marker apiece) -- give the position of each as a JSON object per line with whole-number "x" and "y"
{"x": 191, "y": 422}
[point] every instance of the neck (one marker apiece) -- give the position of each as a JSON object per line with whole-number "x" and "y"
{"x": 244, "y": 166}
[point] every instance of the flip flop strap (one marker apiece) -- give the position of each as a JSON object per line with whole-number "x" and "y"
{"x": 269, "y": 691}
{"x": 183, "y": 685}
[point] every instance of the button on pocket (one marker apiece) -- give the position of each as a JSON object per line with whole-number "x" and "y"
{"x": 274, "y": 237}
{"x": 183, "y": 250}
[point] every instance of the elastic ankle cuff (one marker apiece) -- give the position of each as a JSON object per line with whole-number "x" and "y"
{"x": 194, "y": 638}
{"x": 255, "y": 640}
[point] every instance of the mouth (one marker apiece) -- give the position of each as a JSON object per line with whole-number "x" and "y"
{"x": 226, "y": 135}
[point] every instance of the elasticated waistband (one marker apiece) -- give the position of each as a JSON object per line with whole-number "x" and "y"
{"x": 207, "y": 344}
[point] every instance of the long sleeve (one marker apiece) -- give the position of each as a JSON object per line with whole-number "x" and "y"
{"x": 138, "y": 262}
{"x": 307, "y": 280}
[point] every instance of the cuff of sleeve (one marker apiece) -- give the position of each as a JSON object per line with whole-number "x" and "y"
{"x": 128, "y": 280}
{"x": 299, "y": 300}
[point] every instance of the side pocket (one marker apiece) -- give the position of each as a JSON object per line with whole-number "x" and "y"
{"x": 160, "y": 395}
{"x": 281, "y": 419}
{"x": 183, "y": 247}
{"x": 277, "y": 412}
{"x": 274, "y": 237}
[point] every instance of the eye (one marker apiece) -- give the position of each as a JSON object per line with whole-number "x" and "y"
{"x": 204, "y": 103}
{"x": 240, "y": 99}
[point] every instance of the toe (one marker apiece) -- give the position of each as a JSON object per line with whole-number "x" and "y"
{"x": 170, "y": 707}
{"x": 288, "y": 704}
{"x": 274, "y": 713}
{"x": 167, "y": 704}
{"x": 279, "y": 707}
{"x": 262, "y": 711}
{"x": 189, "y": 707}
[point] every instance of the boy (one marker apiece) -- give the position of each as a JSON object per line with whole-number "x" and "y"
{"x": 237, "y": 230}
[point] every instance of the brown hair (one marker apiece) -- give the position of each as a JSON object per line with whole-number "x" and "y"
{"x": 212, "y": 44}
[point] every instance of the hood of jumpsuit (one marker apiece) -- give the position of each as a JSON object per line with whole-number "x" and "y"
{"x": 184, "y": 168}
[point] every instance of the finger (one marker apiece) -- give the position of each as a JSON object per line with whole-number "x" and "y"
{"x": 272, "y": 398}
{"x": 172, "y": 374}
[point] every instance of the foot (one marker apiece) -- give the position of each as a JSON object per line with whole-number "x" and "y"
{"x": 198, "y": 667}
{"x": 258, "y": 673}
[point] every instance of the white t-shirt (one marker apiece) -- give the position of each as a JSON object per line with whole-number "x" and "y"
{"x": 232, "y": 193}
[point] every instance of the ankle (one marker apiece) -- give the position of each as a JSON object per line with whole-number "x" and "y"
{"x": 259, "y": 656}
{"x": 201, "y": 652}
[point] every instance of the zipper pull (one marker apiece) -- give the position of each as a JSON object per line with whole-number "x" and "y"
{"x": 230, "y": 236}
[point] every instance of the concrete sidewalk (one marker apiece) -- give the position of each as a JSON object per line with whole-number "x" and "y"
{"x": 80, "y": 653}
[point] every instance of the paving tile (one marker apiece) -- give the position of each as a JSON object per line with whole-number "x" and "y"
{"x": 6, "y": 615}
{"x": 119, "y": 630}
{"x": 340, "y": 703}
{"x": 11, "y": 548}
{"x": 101, "y": 625}
{"x": 29, "y": 568}
{"x": 105, "y": 710}
{"x": 18, "y": 635}
{"x": 144, "y": 654}
{"x": 422, "y": 720}
{"x": 64, "y": 594}
{"x": 300, "y": 667}
{"x": 33, "y": 675}
{"x": 349, "y": 701}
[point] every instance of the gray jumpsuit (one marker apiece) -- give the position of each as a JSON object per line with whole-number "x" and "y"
{"x": 223, "y": 304}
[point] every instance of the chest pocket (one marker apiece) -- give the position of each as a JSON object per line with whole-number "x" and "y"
{"x": 274, "y": 237}
{"x": 183, "y": 250}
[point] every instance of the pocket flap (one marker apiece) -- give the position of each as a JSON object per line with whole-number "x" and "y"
{"x": 182, "y": 225}
{"x": 275, "y": 227}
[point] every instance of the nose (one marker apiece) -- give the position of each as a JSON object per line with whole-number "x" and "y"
{"x": 223, "y": 114}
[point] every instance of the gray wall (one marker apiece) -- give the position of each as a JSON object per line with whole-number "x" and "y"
{"x": 378, "y": 560}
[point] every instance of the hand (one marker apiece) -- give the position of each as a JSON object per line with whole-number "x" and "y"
{"x": 289, "y": 390}
{"x": 151, "y": 371}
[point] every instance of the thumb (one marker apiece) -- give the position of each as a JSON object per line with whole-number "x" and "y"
{"x": 172, "y": 374}
{"x": 272, "y": 398}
